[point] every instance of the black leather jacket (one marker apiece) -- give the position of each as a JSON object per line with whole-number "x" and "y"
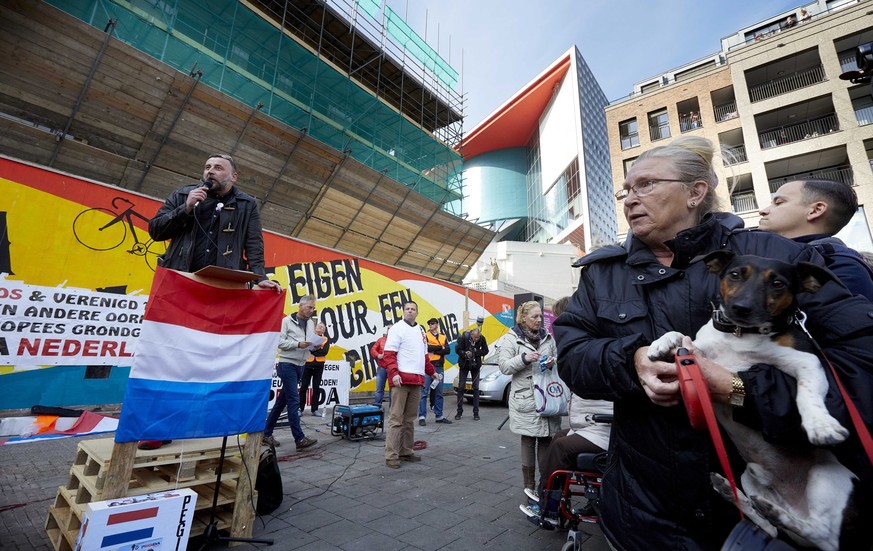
{"x": 478, "y": 349}
{"x": 240, "y": 233}
{"x": 656, "y": 491}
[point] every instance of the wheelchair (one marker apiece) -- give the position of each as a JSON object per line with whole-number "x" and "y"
{"x": 572, "y": 497}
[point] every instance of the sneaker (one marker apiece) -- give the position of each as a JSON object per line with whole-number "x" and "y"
{"x": 305, "y": 443}
{"x": 532, "y": 495}
{"x": 270, "y": 441}
{"x": 475, "y": 417}
{"x": 421, "y": 422}
{"x": 393, "y": 463}
{"x": 412, "y": 458}
{"x": 458, "y": 417}
{"x": 533, "y": 513}
{"x": 444, "y": 421}
{"x": 316, "y": 413}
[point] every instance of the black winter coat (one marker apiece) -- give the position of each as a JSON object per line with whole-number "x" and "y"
{"x": 240, "y": 232}
{"x": 656, "y": 492}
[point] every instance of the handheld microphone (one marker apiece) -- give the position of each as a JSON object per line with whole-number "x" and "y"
{"x": 208, "y": 185}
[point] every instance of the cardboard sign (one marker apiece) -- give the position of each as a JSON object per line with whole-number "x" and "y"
{"x": 160, "y": 521}
{"x": 335, "y": 386}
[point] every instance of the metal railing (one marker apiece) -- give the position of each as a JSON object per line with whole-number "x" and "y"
{"x": 725, "y": 112}
{"x": 733, "y": 155}
{"x": 631, "y": 140}
{"x": 797, "y": 132}
{"x": 743, "y": 202}
{"x": 838, "y": 174}
{"x": 864, "y": 115}
{"x": 659, "y": 132}
{"x": 786, "y": 84}
{"x": 690, "y": 122}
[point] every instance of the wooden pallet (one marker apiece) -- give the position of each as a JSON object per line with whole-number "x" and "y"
{"x": 181, "y": 464}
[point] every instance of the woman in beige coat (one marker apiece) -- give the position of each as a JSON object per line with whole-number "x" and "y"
{"x": 519, "y": 351}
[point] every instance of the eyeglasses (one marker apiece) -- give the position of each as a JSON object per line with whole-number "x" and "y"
{"x": 642, "y": 189}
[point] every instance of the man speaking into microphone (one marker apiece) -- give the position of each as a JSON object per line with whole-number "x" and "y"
{"x": 212, "y": 224}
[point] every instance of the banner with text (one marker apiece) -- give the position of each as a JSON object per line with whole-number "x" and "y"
{"x": 47, "y": 325}
{"x": 78, "y": 265}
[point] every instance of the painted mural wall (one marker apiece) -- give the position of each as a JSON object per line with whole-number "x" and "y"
{"x": 76, "y": 265}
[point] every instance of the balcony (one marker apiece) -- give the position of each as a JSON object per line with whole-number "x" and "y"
{"x": 734, "y": 155}
{"x": 725, "y": 112}
{"x": 864, "y": 115}
{"x": 659, "y": 132}
{"x": 837, "y": 174}
{"x": 797, "y": 132}
{"x": 629, "y": 141}
{"x": 743, "y": 202}
{"x": 690, "y": 122}
{"x": 786, "y": 84}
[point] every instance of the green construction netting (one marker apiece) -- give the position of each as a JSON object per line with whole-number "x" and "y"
{"x": 418, "y": 48}
{"x": 412, "y": 42}
{"x": 249, "y": 59}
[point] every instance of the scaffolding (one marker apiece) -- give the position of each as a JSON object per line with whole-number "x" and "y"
{"x": 355, "y": 77}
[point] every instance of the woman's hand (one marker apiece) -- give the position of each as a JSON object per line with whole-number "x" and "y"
{"x": 530, "y": 357}
{"x": 659, "y": 379}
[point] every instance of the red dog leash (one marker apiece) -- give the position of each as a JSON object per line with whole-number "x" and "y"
{"x": 860, "y": 427}
{"x": 698, "y": 403}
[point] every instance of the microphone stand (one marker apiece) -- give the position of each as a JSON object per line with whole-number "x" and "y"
{"x": 211, "y": 533}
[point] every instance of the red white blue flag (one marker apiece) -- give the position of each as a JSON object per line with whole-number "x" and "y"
{"x": 203, "y": 363}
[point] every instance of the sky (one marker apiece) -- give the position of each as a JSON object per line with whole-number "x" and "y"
{"x": 498, "y": 46}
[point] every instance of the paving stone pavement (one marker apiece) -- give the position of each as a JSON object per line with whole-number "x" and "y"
{"x": 463, "y": 495}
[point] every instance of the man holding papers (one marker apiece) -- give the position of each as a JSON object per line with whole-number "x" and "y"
{"x": 295, "y": 342}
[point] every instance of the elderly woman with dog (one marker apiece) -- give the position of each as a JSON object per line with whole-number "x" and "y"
{"x": 520, "y": 350}
{"x": 657, "y": 492}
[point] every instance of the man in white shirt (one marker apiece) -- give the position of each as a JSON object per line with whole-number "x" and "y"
{"x": 407, "y": 364}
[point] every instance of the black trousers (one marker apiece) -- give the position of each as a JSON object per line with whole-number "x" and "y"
{"x": 561, "y": 454}
{"x": 463, "y": 372}
{"x": 311, "y": 373}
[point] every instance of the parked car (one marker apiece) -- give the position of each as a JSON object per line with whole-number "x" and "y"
{"x": 493, "y": 385}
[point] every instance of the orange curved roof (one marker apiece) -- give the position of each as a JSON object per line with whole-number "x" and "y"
{"x": 512, "y": 124}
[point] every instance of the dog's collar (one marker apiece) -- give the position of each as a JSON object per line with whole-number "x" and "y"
{"x": 722, "y": 323}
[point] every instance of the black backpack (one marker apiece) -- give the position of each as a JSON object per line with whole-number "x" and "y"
{"x": 269, "y": 482}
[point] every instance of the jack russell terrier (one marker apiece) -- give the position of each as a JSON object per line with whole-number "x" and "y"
{"x": 806, "y": 493}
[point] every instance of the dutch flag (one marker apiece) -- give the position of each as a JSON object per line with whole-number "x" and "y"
{"x": 203, "y": 363}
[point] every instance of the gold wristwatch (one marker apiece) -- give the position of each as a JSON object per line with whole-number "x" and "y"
{"x": 738, "y": 392}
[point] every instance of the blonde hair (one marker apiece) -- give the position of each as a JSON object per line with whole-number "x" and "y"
{"x": 691, "y": 157}
{"x": 524, "y": 309}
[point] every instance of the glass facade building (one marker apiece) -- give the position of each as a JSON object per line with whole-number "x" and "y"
{"x": 556, "y": 126}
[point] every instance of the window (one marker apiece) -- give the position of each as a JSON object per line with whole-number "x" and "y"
{"x": 627, "y": 130}
{"x": 659, "y": 125}
{"x": 628, "y": 163}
